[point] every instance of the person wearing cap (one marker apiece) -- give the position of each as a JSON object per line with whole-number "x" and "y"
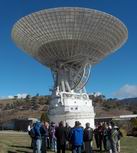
{"x": 88, "y": 137}
{"x": 119, "y": 137}
{"x": 76, "y": 137}
{"x": 114, "y": 139}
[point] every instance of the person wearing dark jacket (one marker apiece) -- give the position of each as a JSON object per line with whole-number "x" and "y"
{"x": 52, "y": 138}
{"x": 60, "y": 134}
{"x": 68, "y": 129}
{"x": 88, "y": 137}
{"x": 96, "y": 136}
{"x": 76, "y": 136}
{"x": 100, "y": 134}
{"x": 107, "y": 137}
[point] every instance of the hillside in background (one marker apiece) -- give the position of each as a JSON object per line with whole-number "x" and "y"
{"x": 34, "y": 106}
{"x": 114, "y": 107}
{"x": 23, "y": 108}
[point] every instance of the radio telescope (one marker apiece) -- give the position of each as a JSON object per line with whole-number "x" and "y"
{"x": 69, "y": 41}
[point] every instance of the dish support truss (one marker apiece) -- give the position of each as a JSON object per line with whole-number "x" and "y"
{"x": 70, "y": 76}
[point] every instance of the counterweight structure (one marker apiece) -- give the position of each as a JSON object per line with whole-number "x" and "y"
{"x": 69, "y": 41}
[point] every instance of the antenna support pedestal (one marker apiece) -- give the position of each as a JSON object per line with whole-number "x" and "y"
{"x": 70, "y": 107}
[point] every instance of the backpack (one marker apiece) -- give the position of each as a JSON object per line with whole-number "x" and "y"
{"x": 32, "y": 133}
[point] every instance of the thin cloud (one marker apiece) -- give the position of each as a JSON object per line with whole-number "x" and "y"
{"x": 19, "y": 96}
{"x": 10, "y": 97}
{"x": 127, "y": 91}
{"x": 96, "y": 94}
{"x": 23, "y": 95}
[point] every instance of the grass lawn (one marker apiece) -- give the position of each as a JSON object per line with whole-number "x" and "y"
{"x": 14, "y": 143}
{"x": 20, "y": 143}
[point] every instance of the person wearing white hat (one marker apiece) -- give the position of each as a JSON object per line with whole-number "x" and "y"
{"x": 114, "y": 139}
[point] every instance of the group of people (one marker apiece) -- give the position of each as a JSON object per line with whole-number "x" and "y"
{"x": 108, "y": 135}
{"x": 78, "y": 139}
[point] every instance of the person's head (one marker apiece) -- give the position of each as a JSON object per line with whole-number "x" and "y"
{"x": 106, "y": 125}
{"x": 87, "y": 125}
{"x": 109, "y": 126}
{"x": 67, "y": 125}
{"x": 61, "y": 124}
{"x": 52, "y": 124}
{"x": 96, "y": 125}
{"x": 101, "y": 123}
{"x": 46, "y": 124}
{"x": 77, "y": 123}
{"x": 112, "y": 124}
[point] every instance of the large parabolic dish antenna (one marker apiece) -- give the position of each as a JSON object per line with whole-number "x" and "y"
{"x": 69, "y": 41}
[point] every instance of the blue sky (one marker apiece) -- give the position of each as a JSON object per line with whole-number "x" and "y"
{"x": 116, "y": 76}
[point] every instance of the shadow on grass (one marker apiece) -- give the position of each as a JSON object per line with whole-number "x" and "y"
{"x": 21, "y": 151}
{"x": 26, "y": 147}
{"x": 98, "y": 151}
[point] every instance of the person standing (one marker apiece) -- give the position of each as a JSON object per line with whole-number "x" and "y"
{"x": 96, "y": 136}
{"x": 60, "y": 134}
{"x": 100, "y": 134}
{"x": 76, "y": 137}
{"x": 114, "y": 138}
{"x": 88, "y": 137}
{"x": 44, "y": 136}
{"x": 107, "y": 137}
{"x": 119, "y": 137}
{"x": 30, "y": 127}
{"x": 68, "y": 129}
{"x": 37, "y": 138}
{"x": 52, "y": 138}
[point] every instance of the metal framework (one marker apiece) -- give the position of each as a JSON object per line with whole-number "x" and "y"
{"x": 69, "y": 40}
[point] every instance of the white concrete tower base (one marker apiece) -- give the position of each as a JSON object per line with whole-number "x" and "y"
{"x": 71, "y": 107}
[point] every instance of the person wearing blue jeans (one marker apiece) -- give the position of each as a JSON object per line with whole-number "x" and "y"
{"x": 44, "y": 136}
{"x": 53, "y": 144}
{"x": 37, "y": 148}
{"x": 76, "y": 149}
{"x": 76, "y": 137}
{"x": 37, "y": 138}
